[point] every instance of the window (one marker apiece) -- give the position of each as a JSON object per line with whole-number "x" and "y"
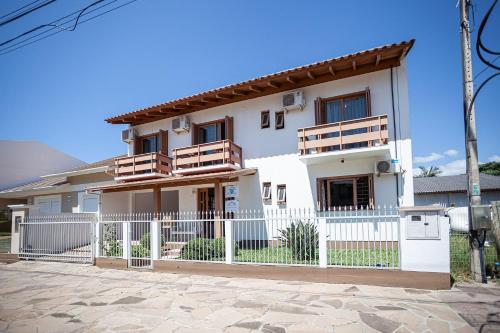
{"x": 264, "y": 119}
{"x": 212, "y": 132}
{"x": 279, "y": 120}
{"x": 266, "y": 191}
{"x": 17, "y": 221}
{"x": 150, "y": 144}
{"x": 281, "y": 194}
{"x": 341, "y": 192}
{"x": 345, "y": 107}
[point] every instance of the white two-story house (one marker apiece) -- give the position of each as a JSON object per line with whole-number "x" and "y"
{"x": 329, "y": 135}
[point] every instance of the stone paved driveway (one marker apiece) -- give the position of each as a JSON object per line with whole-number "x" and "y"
{"x": 56, "y": 297}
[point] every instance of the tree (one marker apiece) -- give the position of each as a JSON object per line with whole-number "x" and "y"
{"x": 433, "y": 171}
{"x": 491, "y": 168}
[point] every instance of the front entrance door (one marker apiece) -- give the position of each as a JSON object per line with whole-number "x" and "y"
{"x": 206, "y": 207}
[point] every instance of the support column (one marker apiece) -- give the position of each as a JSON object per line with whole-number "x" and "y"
{"x": 157, "y": 199}
{"x": 228, "y": 225}
{"x": 322, "y": 243}
{"x": 126, "y": 240}
{"x": 218, "y": 209}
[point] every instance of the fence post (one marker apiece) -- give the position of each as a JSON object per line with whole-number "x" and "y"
{"x": 126, "y": 240}
{"x": 155, "y": 239}
{"x": 322, "y": 243}
{"x": 229, "y": 241}
{"x": 97, "y": 238}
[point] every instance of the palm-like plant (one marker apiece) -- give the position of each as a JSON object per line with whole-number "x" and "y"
{"x": 302, "y": 240}
{"x": 433, "y": 171}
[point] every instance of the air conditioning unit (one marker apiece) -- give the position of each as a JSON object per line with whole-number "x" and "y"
{"x": 181, "y": 124}
{"x": 294, "y": 100}
{"x": 129, "y": 135}
{"x": 388, "y": 167}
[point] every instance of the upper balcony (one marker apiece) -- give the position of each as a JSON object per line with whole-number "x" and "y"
{"x": 207, "y": 157}
{"x": 363, "y": 137}
{"x": 143, "y": 166}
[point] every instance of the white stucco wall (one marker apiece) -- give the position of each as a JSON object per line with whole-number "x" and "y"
{"x": 274, "y": 152}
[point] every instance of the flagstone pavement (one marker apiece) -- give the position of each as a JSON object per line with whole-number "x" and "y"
{"x": 59, "y": 297}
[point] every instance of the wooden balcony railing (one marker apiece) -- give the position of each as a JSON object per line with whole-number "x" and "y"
{"x": 363, "y": 132}
{"x": 208, "y": 154}
{"x": 144, "y": 164}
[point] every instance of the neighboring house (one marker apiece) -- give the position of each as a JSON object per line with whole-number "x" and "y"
{"x": 451, "y": 191}
{"x": 307, "y": 137}
{"x": 25, "y": 161}
{"x": 62, "y": 192}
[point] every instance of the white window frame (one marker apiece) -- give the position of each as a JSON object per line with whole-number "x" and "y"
{"x": 281, "y": 191}
{"x": 51, "y": 198}
{"x": 266, "y": 191}
{"x": 82, "y": 196}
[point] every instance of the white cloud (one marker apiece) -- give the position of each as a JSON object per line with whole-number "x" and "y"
{"x": 417, "y": 172}
{"x": 451, "y": 152}
{"x": 456, "y": 167}
{"x": 430, "y": 158}
{"x": 494, "y": 158}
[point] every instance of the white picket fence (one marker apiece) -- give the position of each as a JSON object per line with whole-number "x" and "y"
{"x": 362, "y": 238}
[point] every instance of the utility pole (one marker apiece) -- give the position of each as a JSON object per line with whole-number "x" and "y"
{"x": 473, "y": 189}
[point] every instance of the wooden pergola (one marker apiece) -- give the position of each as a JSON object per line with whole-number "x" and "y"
{"x": 216, "y": 179}
{"x": 363, "y": 62}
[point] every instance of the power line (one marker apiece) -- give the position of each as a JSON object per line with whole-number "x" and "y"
{"x": 21, "y": 8}
{"x": 80, "y": 12}
{"x": 53, "y": 24}
{"x": 31, "y": 10}
{"x": 56, "y": 32}
{"x": 487, "y": 67}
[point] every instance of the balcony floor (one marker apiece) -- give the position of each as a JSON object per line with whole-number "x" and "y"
{"x": 206, "y": 169}
{"x": 383, "y": 152}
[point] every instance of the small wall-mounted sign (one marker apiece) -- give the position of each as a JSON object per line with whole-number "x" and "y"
{"x": 232, "y": 206}
{"x": 231, "y": 191}
{"x": 475, "y": 189}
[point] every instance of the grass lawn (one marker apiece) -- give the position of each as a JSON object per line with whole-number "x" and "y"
{"x": 460, "y": 257}
{"x": 5, "y": 244}
{"x": 342, "y": 257}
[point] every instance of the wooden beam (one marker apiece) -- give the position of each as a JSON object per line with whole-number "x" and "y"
{"x": 354, "y": 65}
{"x": 291, "y": 79}
{"x": 200, "y": 102}
{"x": 255, "y": 88}
{"x": 330, "y": 69}
{"x": 311, "y": 75}
{"x": 377, "y": 61}
{"x": 240, "y": 92}
{"x": 273, "y": 84}
{"x": 222, "y": 96}
{"x": 157, "y": 199}
{"x": 180, "y": 107}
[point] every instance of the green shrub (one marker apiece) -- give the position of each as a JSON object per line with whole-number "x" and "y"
{"x": 139, "y": 251}
{"x": 198, "y": 249}
{"x": 219, "y": 248}
{"x": 302, "y": 240}
{"x": 146, "y": 242}
{"x": 113, "y": 249}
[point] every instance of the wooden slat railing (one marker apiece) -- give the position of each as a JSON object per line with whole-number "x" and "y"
{"x": 146, "y": 164}
{"x": 341, "y": 135}
{"x": 207, "y": 154}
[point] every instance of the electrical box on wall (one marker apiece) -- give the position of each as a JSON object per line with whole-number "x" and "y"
{"x": 422, "y": 225}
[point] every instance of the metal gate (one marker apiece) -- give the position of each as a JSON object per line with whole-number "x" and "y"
{"x": 65, "y": 238}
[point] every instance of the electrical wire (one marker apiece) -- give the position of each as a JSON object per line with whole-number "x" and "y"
{"x": 21, "y": 8}
{"x": 31, "y": 10}
{"x": 12, "y": 48}
{"x": 486, "y": 68}
{"x": 479, "y": 43}
{"x": 53, "y": 25}
{"x": 60, "y": 24}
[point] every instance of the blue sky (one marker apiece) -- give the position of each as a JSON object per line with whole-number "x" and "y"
{"x": 60, "y": 90}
